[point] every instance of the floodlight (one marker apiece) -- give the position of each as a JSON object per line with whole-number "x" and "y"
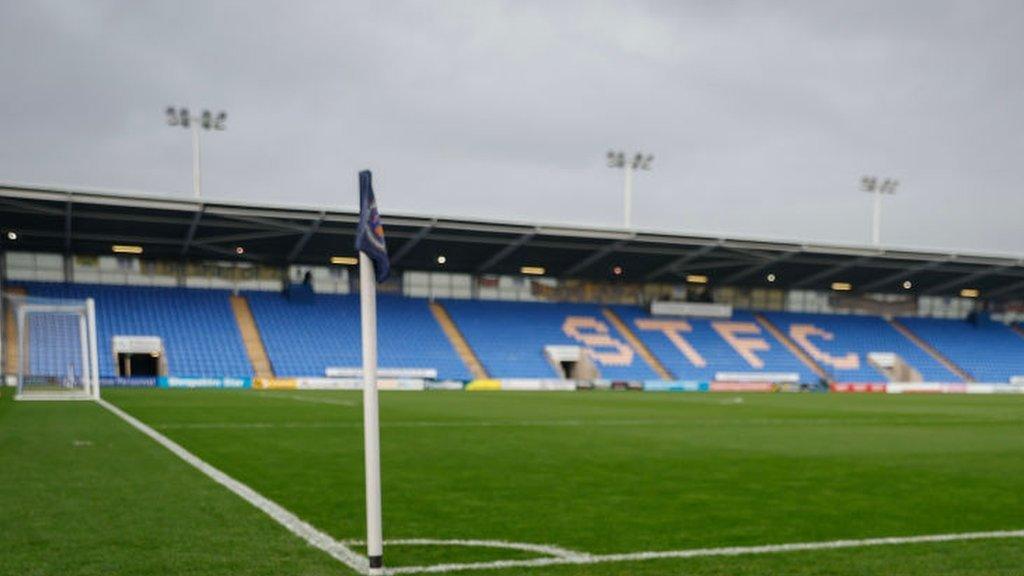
{"x": 207, "y": 121}
{"x": 876, "y": 187}
{"x": 639, "y": 161}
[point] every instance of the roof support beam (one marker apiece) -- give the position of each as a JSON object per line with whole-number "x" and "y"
{"x": 681, "y": 261}
{"x": 751, "y": 255}
{"x": 594, "y": 257}
{"x": 1008, "y": 289}
{"x": 960, "y": 281}
{"x": 67, "y": 226}
{"x": 901, "y": 275}
{"x": 89, "y": 237}
{"x": 208, "y": 240}
{"x": 265, "y": 222}
{"x": 31, "y": 208}
{"x": 231, "y": 253}
{"x": 712, "y": 265}
{"x": 506, "y": 251}
{"x": 748, "y": 272}
{"x": 304, "y": 239}
{"x": 191, "y": 234}
{"x": 411, "y": 243}
{"x": 831, "y": 271}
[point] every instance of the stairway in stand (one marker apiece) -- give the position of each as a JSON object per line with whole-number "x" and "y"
{"x": 458, "y": 341}
{"x": 11, "y": 333}
{"x": 251, "y": 338}
{"x": 637, "y": 344}
{"x": 931, "y": 350}
{"x": 792, "y": 346}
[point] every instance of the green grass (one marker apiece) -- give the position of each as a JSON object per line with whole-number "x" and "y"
{"x": 595, "y": 472}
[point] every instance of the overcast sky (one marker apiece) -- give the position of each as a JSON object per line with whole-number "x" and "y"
{"x": 762, "y": 115}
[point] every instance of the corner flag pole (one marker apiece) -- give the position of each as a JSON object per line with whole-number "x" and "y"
{"x": 371, "y": 419}
{"x": 373, "y": 267}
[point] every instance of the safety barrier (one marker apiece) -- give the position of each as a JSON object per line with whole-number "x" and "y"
{"x": 928, "y": 387}
{"x": 521, "y": 385}
{"x": 190, "y": 382}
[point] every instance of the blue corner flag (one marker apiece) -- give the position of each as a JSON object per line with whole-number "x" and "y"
{"x": 370, "y": 235}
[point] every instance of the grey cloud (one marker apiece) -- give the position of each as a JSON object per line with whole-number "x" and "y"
{"x": 762, "y": 115}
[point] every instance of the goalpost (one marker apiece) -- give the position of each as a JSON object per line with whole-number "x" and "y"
{"x": 54, "y": 348}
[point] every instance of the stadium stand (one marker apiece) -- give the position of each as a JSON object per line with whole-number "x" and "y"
{"x": 709, "y": 345}
{"x": 197, "y": 327}
{"x": 306, "y": 338}
{"x": 201, "y": 337}
{"x": 841, "y": 343}
{"x": 509, "y": 338}
{"x": 987, "y": 350}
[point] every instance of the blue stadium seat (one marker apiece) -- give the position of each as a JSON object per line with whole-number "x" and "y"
{"x": 509, "y": 337}
{"x": 841, "y": 343}
{"x": 198, "y": 328}
{"x": 989, "y": 351}
{"x": 304, "y": 339}
{"x": 713, "y": 348}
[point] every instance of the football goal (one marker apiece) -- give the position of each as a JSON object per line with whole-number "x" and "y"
{"x": 51, "y": 348}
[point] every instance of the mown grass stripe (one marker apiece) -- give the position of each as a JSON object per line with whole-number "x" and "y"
{"x": 282, "y": 516}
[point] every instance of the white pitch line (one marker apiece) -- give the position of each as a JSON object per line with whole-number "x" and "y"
{"x": 706, "y": 552}
{"x": 310, "y": 399}
{"x": 416, "y": 424}
{"x": 753, "y": 423}
{"x": 279, "y": 514}
{"x": 555, "y": 551}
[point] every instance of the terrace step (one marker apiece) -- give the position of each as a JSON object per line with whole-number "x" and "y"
{"x": 458, "y": 341}
{"x": 637, "y": 344}
{"x": 251, "y": 338}
{"x": 792, "y": 346}
{"x": 930, "y": 350}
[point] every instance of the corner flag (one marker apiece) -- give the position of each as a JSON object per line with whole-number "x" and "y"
{"x": 373, "y": 262}
{"x": 370, "y": 235}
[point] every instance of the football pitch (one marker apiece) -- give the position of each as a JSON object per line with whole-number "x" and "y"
{"x": 519, "y": 483}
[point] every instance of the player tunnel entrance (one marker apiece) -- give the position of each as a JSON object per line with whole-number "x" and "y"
{"x": 139, "y": 356}
{"x": 571, "y": 362}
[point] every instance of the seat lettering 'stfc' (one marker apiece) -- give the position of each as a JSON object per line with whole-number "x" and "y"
{"x": 801, "y": 334}
{"x": 745, "y": 347}
{"x": 601, "y": 346}
{"x": 673, "y": 329}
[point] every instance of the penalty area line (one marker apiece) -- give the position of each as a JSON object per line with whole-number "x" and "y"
{"x": 278, "y": 513}
{"x": 707, "y": 552}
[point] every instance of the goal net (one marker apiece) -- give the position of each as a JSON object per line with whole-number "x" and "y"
{"x": 54, "y": 348}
